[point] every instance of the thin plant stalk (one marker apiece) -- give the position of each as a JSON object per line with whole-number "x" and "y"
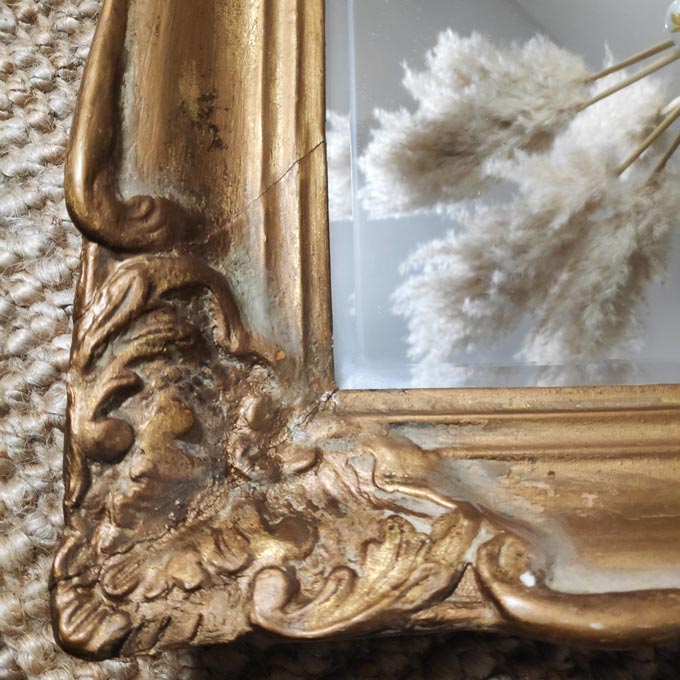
{"x": 660, "y": 129}
{"x": 642, "y": 73}
{"x": 657, "y": 49}
{"x": 661, "y": 166}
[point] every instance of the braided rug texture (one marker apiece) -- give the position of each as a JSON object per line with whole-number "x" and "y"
{"x": 43, "y": 46}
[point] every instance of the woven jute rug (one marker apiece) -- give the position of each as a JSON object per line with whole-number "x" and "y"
{"x": 43, "y": 45}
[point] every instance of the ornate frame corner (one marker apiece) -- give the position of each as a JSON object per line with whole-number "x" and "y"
{"x": 217, "y": 483}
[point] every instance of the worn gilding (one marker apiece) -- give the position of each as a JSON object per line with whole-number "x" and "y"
{"x": 216, "y": 482}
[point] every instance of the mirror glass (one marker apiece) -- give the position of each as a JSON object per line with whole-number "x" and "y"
{"x": 503, "y": 192}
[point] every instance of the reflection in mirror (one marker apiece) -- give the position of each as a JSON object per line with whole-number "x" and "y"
{"x": 504, "y": 192}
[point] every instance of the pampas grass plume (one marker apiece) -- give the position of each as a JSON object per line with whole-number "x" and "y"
{"x": 475, "y": 101}
{"x": 339, "y": 149}
{"x": 573, "y": 250}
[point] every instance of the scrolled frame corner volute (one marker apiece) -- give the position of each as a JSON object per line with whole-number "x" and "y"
{"x": 217, "y": 483}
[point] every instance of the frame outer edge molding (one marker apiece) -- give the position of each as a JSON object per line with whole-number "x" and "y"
{"x": 216, "y": 482}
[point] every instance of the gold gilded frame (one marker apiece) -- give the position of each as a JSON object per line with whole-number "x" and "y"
{"x": 217, "y": 482}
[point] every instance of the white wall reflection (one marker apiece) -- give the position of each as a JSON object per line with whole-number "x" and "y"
{"x": 368, "y": 41}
